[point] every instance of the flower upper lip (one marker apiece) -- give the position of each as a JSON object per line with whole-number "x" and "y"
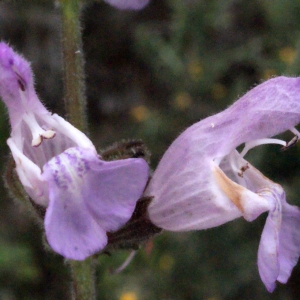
{"x": 211, "y": 183}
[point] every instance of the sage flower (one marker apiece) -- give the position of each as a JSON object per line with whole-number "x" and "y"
{"x": 128, "y": 4}
{"x": 84, "y": 196}
{"x": 202, "y": 181}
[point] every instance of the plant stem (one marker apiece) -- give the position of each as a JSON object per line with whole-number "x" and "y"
{"x": 83, "y": 276}
{"x": 82, "y": 272}
{"x": 73, "y": 61}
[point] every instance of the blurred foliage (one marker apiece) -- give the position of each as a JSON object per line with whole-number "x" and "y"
{"x": 151, "y": 74}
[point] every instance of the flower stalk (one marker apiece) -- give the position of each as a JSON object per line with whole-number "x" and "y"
{"x": 83, "y": 279}
{"x": 73, "y": 62}
{"x": 82, "y": 272}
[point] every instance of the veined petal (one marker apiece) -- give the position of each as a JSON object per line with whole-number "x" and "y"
{"x": 279, "y": 249}
{"x": 70, "y": 229}
{"x": 194, "y": 194}
{"x": 128, "y": 4}
{"x": 37, "y": 135}
{"x": 113, "y": 190}
{"x": 85, "y": 197}
{"x": 186, "y": 167}
{"x": 65, "y": 129}
{"x": 189, "y": 197}
{"x": 89, "y": 197}
{"x": 250, "y": 204}
{"x": 267, "y": 110}
{"x": 289, "y": 241}
{"x": 202, "y": 181}
{"x": 268, "y": 264}
{"x": 29, "y": 175}
{"x": 16, "y": 85}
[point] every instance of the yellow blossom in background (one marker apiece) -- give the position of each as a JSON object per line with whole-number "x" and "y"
{"x": 287, "y": 55}
{"x": 269, "y": 73}
{"x": 140, "y": 113}
{"x": 218, "y": 91}
{"x": 195, "y": 70}
{"x": 129, "y": 296}
{"x": 166, "y": 262}
{"x": 182, "y": 100}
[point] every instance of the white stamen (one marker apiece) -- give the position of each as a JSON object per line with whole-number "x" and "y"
{"x": 37, "y": 132}
{"x": 295, "y": 131}
{"x": 36, "y": 141}
{"x": 255, "y": 143}
{"x": 49, "y": 134}
{"x": 291, "y": 143}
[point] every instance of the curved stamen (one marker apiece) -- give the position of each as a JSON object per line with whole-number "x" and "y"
{"x": 291, "y": 143}
{"x": 258, "y": 142}
{"x": 295, "y": 132}
{"x": 285, "y": 145}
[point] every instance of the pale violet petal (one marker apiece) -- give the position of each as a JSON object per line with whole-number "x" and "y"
{"x": 16, "y": 85}
{"x": 266, "y": 110}
{"x": 65, "y": 129}
{"x": 128, "y": 4}
{"x": 289, "y": 241}
{"x": 37, "y": 135}
{"x": 188, "y": 197}
{"x": 88, "y": 197}
{"x": 198, "y": 195}
{"x": 70, "y": 229}
{"x": 113, "y": 190}
{"x": 268, "y": 264}
{"x": 188, "y": 193}
{"x": 29, "y": 175}
{"x": 279, "y": 249}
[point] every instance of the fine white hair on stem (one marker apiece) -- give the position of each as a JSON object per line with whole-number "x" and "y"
{"x": 125, "y": 263}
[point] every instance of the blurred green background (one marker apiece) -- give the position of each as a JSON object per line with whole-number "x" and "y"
{"x": 150, "y": 74}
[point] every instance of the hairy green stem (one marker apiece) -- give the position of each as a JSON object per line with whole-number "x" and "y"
{"x": 83, "y": 279}
{"x": 82, "y": 272}
{"x": 73, "y": 61}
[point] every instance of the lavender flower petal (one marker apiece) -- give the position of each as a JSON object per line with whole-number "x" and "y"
{"x": 89, "y": 197}
{"x": 128, "y": 4}
{"x": 289, "y": 241}
{"x": 16, "y": 85}
{"x": 36, "y": 135}
{"x": 267, "y": 259}
{"x": 202, "y": 181}
{"x": 59, "y": 168}
{"x": 266, "y": 110}
{"x": 113, "y": 190}
{"x": 279, "y": 249}
{"x": 70, "y": 229}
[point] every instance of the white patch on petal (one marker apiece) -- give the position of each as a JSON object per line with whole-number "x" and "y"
{"x": 29, "y": 175}
{"x": 68, "y": 169}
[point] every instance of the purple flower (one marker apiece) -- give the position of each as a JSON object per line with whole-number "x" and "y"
{"x": 84, "y": 196}
{"x": 128, "y": 4}
{"x": 202, "y": 181}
